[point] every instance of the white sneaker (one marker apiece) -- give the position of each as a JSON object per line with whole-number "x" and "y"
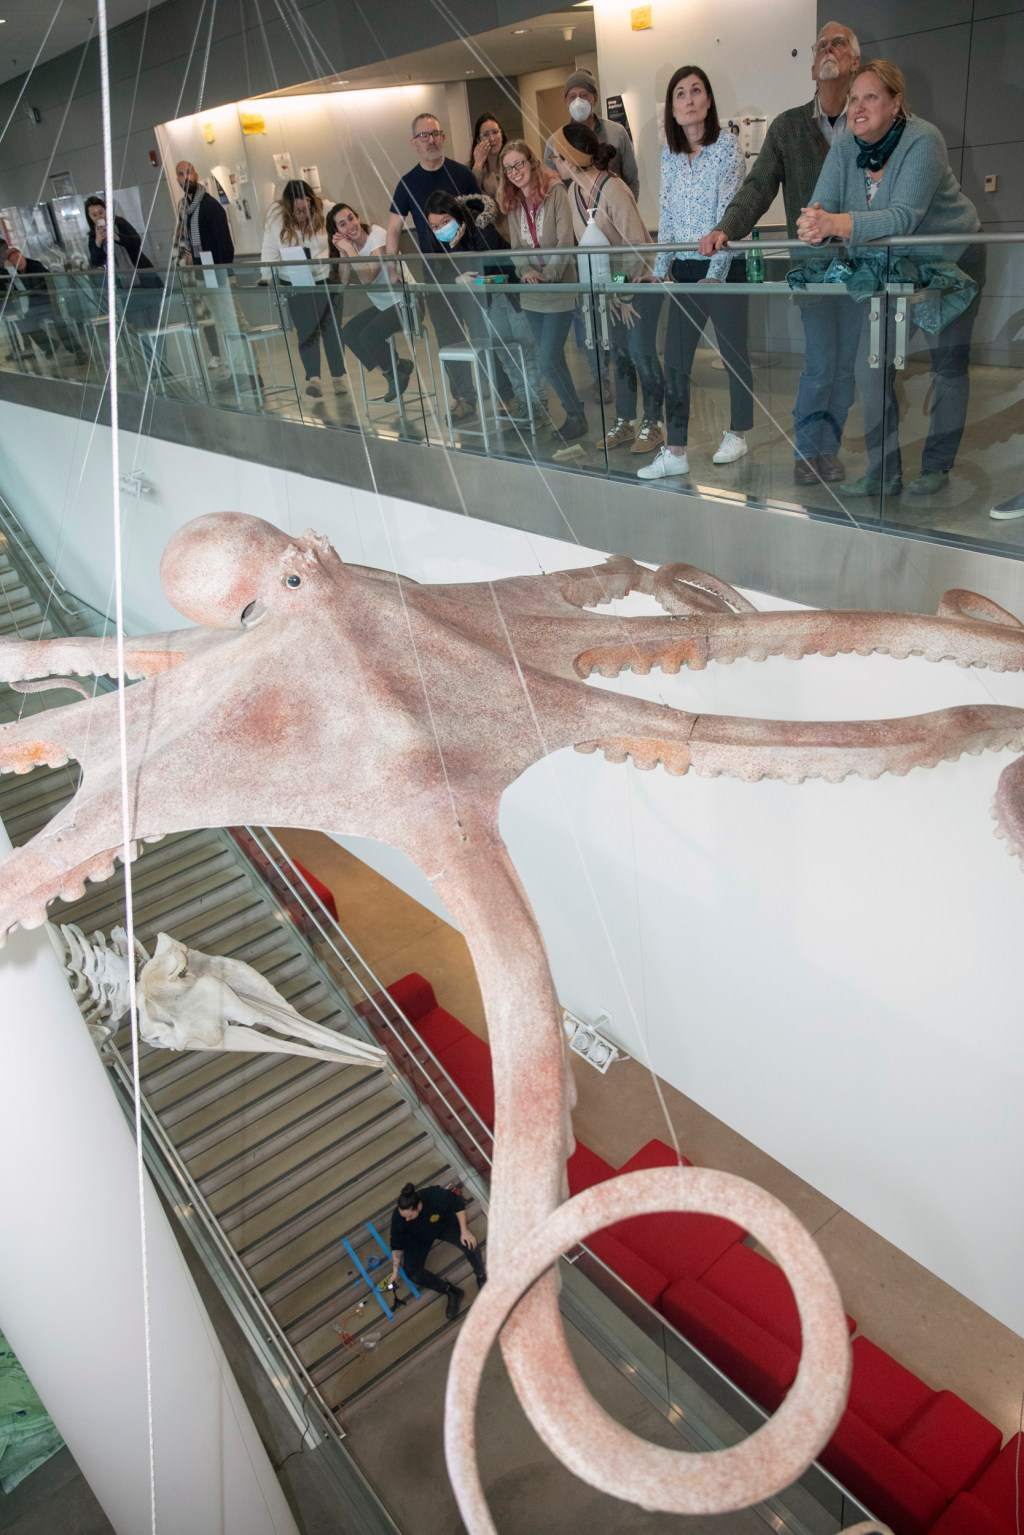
{"x": 664, "y": 464}
{"x": 731, "y": 447}
{"x": 1009, "y": 511}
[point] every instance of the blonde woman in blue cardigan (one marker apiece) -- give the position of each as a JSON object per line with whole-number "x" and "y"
{"x": 889, "y": 176}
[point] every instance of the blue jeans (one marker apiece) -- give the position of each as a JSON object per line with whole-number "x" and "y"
{"x": 550, "y": 332}
{"x": 635, "y": 352}
{"x": 832, "y": 328}
{"x": 950, "y": 353}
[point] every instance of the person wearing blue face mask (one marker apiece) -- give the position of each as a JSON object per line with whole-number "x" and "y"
{"x": 459, "y": 227}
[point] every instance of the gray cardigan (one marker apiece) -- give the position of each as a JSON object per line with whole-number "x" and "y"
{"x": 917, "y": 193}
{"x": 791, "y": 156}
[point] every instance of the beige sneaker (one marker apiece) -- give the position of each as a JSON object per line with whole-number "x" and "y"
{"x": 649, "y": 437}
{"x": 620, "y": 435}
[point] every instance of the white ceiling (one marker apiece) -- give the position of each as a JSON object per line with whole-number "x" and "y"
{"x": 28, "y": 22}
{"x": 542, "y": 42}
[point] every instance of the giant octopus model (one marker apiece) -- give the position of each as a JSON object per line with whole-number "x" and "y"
{"x": 324, "y": 695}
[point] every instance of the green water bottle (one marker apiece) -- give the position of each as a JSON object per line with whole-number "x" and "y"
{"x": 755, "y": 259}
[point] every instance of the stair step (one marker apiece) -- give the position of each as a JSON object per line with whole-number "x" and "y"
{"x": 343, "y": 1177}
{"x": 312, "y": 1242}
{"x": 239, "y": 1192}
{"x": 294, "y": 1117}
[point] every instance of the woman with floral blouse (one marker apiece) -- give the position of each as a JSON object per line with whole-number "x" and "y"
{"x": 701, "y": 170}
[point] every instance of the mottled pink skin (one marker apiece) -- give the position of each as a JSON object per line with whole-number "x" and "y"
{"x": 353, "y": 701}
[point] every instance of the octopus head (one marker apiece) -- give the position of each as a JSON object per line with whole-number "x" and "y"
{"x": 228, "y": 570}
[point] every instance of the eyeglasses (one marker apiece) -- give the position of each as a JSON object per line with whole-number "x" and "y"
{"x": 435, "y": 133}
{"x": 513, "y": 168}
{"x": 491, "y": 133}
{"x": 831, "y": 42}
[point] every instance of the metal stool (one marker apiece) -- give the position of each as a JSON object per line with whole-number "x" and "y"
{"x": 183, "y": 335}
{"x": 477, "y": 354}
{"x": 247, "y": 341}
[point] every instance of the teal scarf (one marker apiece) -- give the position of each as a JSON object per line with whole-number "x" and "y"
{"x": 872, "y": 157}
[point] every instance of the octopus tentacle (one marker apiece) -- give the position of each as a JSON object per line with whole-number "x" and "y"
{"x": 959, "y": 603}
{"x": 579, "y": 1432}
{"x": 1008, "y": 808}
{"x": 28, "y": 660}
{"x": 752, "y": 749}
{"x": 52, "y": 685}
{"x": 977, "y": 642}
{"x": 683, "y": 589}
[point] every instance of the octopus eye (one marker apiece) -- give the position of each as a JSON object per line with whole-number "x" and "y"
{"x": 293, "y": 581}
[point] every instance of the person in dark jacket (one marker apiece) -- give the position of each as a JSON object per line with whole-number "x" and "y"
{"x": 458, "y": 226}
{"x": 421, "y": 1218}
{"x": 203, "y": 229}
{"x": 28, "y": 280}
{"x": 134, "y": 269}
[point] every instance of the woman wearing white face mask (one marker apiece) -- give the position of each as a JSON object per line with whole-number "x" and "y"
{"x": 461, "y": 225}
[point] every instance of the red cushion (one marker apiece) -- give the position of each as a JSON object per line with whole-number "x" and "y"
{"x": 414, "y": 995}
{"x": 758, "y": 1363}
{"x": 966, "y": 1515}
{"x": 468, "y": 1063}
{"x": 759, "y": 1288}
{"x": 320, "y": 890}
{"x": 681, "y": 1246}
{"x": 882, "y": 1478}
{"x": 951, "y": 1442}
{"x": 439, "y": 1030}
{"x": 585, "y": 1168}
{"x": 654, "y": 1154}
{"x": 995, "y": 1487}
{"x": 883, "y": 1393}
{"x": 646, "y": 1281}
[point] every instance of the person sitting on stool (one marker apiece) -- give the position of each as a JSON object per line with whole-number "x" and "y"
{"x": 421, "y": 1218}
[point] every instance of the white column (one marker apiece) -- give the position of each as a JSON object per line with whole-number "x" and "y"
{"x": 71, "y": 1284}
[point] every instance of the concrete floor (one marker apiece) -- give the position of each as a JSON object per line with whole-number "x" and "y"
{"x": 926, "y": 1324}
{"x": 397, "y": 1438}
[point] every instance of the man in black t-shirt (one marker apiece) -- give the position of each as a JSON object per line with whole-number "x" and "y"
{"x": 421, "y": 1218}
{"x": 434, "y": 172}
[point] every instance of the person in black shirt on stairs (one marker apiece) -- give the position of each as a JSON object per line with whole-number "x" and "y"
{"x": 421, "y": 1218}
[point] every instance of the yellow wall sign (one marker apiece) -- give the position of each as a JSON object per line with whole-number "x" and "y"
{"x": 640, "y": 18}
{"x": 252, "y": 122}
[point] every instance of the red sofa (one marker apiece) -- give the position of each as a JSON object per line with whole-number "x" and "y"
{"x": 906, "y": 1451}
{"x": 903, "y": 1449}
{"x": 989, "y": 1506}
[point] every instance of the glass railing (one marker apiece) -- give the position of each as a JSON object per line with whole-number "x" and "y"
{"x": 884, "y": 391}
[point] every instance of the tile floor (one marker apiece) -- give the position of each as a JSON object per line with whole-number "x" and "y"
{"x": 923, "y": 1322}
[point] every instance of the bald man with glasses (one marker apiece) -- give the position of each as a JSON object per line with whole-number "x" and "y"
{"x": 434, "y": 172}
{"x": 791, "y": 158}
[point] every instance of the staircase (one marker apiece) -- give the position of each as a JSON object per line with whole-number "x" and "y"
{"x": 286, "y": 1155}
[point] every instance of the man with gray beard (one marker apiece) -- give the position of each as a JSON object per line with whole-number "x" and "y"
{"x": 794, "y": 149}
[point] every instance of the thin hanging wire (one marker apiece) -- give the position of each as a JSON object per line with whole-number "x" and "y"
{"x": 126, "y": 838}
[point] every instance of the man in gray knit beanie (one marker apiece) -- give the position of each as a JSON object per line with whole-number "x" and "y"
{"x": 580, "y": 101}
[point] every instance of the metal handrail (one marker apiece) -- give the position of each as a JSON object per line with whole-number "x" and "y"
{"x": 324, "y": 924}
{"x": 246, "y": 1303}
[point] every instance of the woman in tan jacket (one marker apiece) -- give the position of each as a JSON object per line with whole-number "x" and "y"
{"x": 604, "y": 213}
{"x": 539, "y": 219}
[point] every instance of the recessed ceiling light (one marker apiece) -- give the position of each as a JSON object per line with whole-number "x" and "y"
{"x": 519, "y": 31}
{"x": 471, "y": 71}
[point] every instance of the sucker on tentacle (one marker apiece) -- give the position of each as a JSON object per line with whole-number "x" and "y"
{"x": 52, "y": 684}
